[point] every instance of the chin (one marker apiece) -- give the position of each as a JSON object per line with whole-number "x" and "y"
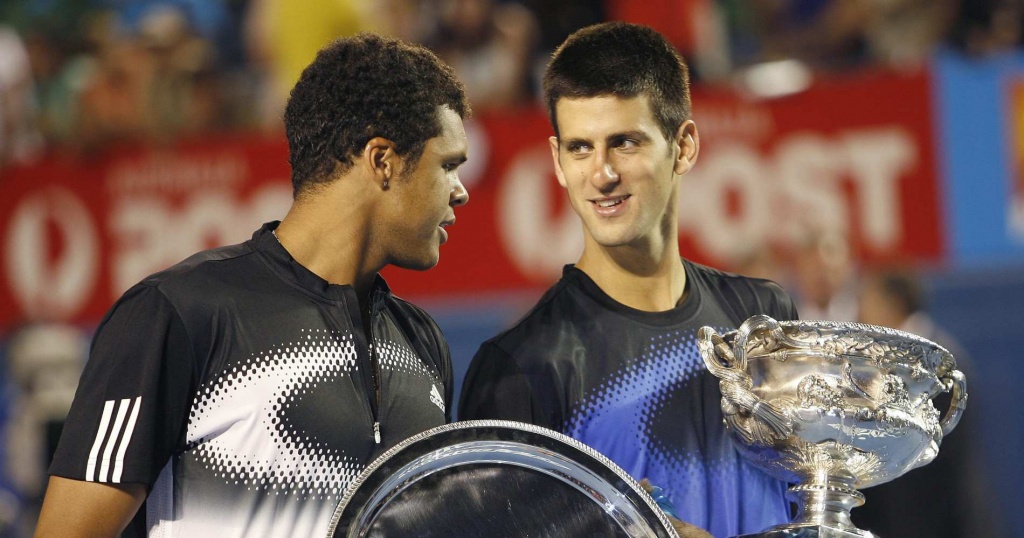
{"x": 617, "y": 236}
{"x": 419, "y": 263}
{"x": 617, "y": 240}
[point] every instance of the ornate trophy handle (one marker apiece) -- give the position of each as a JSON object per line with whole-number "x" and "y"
{"x": 713, "y": 348}
{"x": 958, "y": 384}
{"x": 754, "y": 419}
{"x": 954, "y": 381}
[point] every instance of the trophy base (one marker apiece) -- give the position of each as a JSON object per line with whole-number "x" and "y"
{"x": 808, "y": 531}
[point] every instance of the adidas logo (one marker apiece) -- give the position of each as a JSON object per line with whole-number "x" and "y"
{"x": 435, "y": 396}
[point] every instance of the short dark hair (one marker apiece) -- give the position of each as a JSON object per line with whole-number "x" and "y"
{"x": 624, "y": 60}
{"x": 904, "y": 288}
{"x": 362, "y": 87}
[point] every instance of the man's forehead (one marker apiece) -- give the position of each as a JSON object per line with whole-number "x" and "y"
{"x": 453, "y": 132}
{"x": 602, "y": 115}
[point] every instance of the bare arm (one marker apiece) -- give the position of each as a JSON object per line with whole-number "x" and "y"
{"x": 75, "y": 508}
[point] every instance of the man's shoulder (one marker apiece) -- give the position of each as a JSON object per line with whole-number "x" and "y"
{"x": 197, "y": 265}
{"x": 718, "y": 278}
{"x": 423, "y": 333}
{"x": 199, "y": 279}
{"x": 546, "y": 321}
{"x": 759, "y": 295}
{"x": 408, "y": 312}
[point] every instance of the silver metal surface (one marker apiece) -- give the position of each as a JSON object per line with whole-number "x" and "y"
{"x": 808, "y": 531}
{"x": 506, "y": 451}
{"x": 832, "y": 407}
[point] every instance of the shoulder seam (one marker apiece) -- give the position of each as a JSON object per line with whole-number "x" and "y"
{"x": 545, "y": 299}
{"x": 170, "y": 273}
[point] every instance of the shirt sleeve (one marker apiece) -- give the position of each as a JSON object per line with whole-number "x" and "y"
{"x": 496, "y": 388}
{"x": 783, "y": 306}
{"x": 131, "y": 406}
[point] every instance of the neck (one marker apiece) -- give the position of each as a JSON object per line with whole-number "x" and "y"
{"x": 651, "y": 280}
{"x": 332, "y": 240}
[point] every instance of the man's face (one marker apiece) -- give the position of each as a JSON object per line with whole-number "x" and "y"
{"x": 875, "y": 307}
{"x": 619, "y": 170}
{"x": 426, "y": 197}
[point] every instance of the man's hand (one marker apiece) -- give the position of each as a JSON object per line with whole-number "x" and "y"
{"x": 684, "y": 529}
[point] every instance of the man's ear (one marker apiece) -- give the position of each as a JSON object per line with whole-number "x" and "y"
{"x": 381, "y": 161}
{"x": 553, "y": 142}
{"x": 688, "y": 142}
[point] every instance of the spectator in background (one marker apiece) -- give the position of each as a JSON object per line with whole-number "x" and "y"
{"x": 113, "y": 104}
{"x": 946, "y": 498}
{"x": 490, "y": 45}
{"x": 762, "y": 259}
{"x": 824, "y": 278}
{"x": 284, "y": 36}
{"x": 895, "y": 298}
{"x": 154, "y": 81}
{"x": 988, "y": 26}
{"x": 907, "y": 32}
{"x": 43, "y": 361}
{"x": 824, "y": 34}
{"x": 829, "y": 35}
{"x": 182, "y": 97}
{"x": 20, "y": 139}
{"x": 62, "y": 66}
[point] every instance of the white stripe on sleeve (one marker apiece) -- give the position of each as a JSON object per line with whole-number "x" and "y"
{"x": 125, "y": 439}
{"x": 122, "y": 410}
{"x": 101, "y": 435}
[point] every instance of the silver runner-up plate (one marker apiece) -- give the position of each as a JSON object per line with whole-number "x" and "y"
{"x": 497, "y": 479}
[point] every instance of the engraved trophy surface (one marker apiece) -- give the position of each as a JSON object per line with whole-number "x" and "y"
{"x": 833, "y": 408}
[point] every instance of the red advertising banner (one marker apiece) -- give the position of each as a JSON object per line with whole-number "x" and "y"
{"x": 76, "y": 233}
{"x": 854, "y": 155}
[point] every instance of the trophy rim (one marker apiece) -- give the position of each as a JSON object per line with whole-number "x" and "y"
{"x": 482, "y": 435}
{"x": 839, "y": 339}
{"x": 840, "y": 327}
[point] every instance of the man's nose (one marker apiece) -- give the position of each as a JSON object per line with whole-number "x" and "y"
{"x": 604, "y": 174}
{"x": 459, "y": 195}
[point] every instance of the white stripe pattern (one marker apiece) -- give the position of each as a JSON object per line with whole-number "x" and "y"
{"x": 113, "y": 438}
{"x": 128, "y": 430}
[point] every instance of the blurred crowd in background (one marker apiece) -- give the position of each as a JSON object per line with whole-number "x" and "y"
{"x": 80, "y": 74}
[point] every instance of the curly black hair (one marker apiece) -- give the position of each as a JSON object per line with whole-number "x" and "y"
{"x": 362, "y": 87}
{"x": 625, "y": 60}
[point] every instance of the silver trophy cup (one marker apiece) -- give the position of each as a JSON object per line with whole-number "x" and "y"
{"x": 832, "y": 408}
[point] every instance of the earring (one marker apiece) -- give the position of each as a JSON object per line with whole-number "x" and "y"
{"x": 385, "y": 184}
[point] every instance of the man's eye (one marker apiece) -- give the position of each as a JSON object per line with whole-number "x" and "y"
{"x": 578, "y": 148}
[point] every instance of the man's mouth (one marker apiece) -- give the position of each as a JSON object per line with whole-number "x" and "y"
{"x": 610, "y": 202}
{"x": 444, "y": 233}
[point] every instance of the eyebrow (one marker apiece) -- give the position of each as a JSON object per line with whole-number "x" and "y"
{"x": 634, "y": 133}
{"x": 456, "y": 158}
{"x": 637, "y": 134}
